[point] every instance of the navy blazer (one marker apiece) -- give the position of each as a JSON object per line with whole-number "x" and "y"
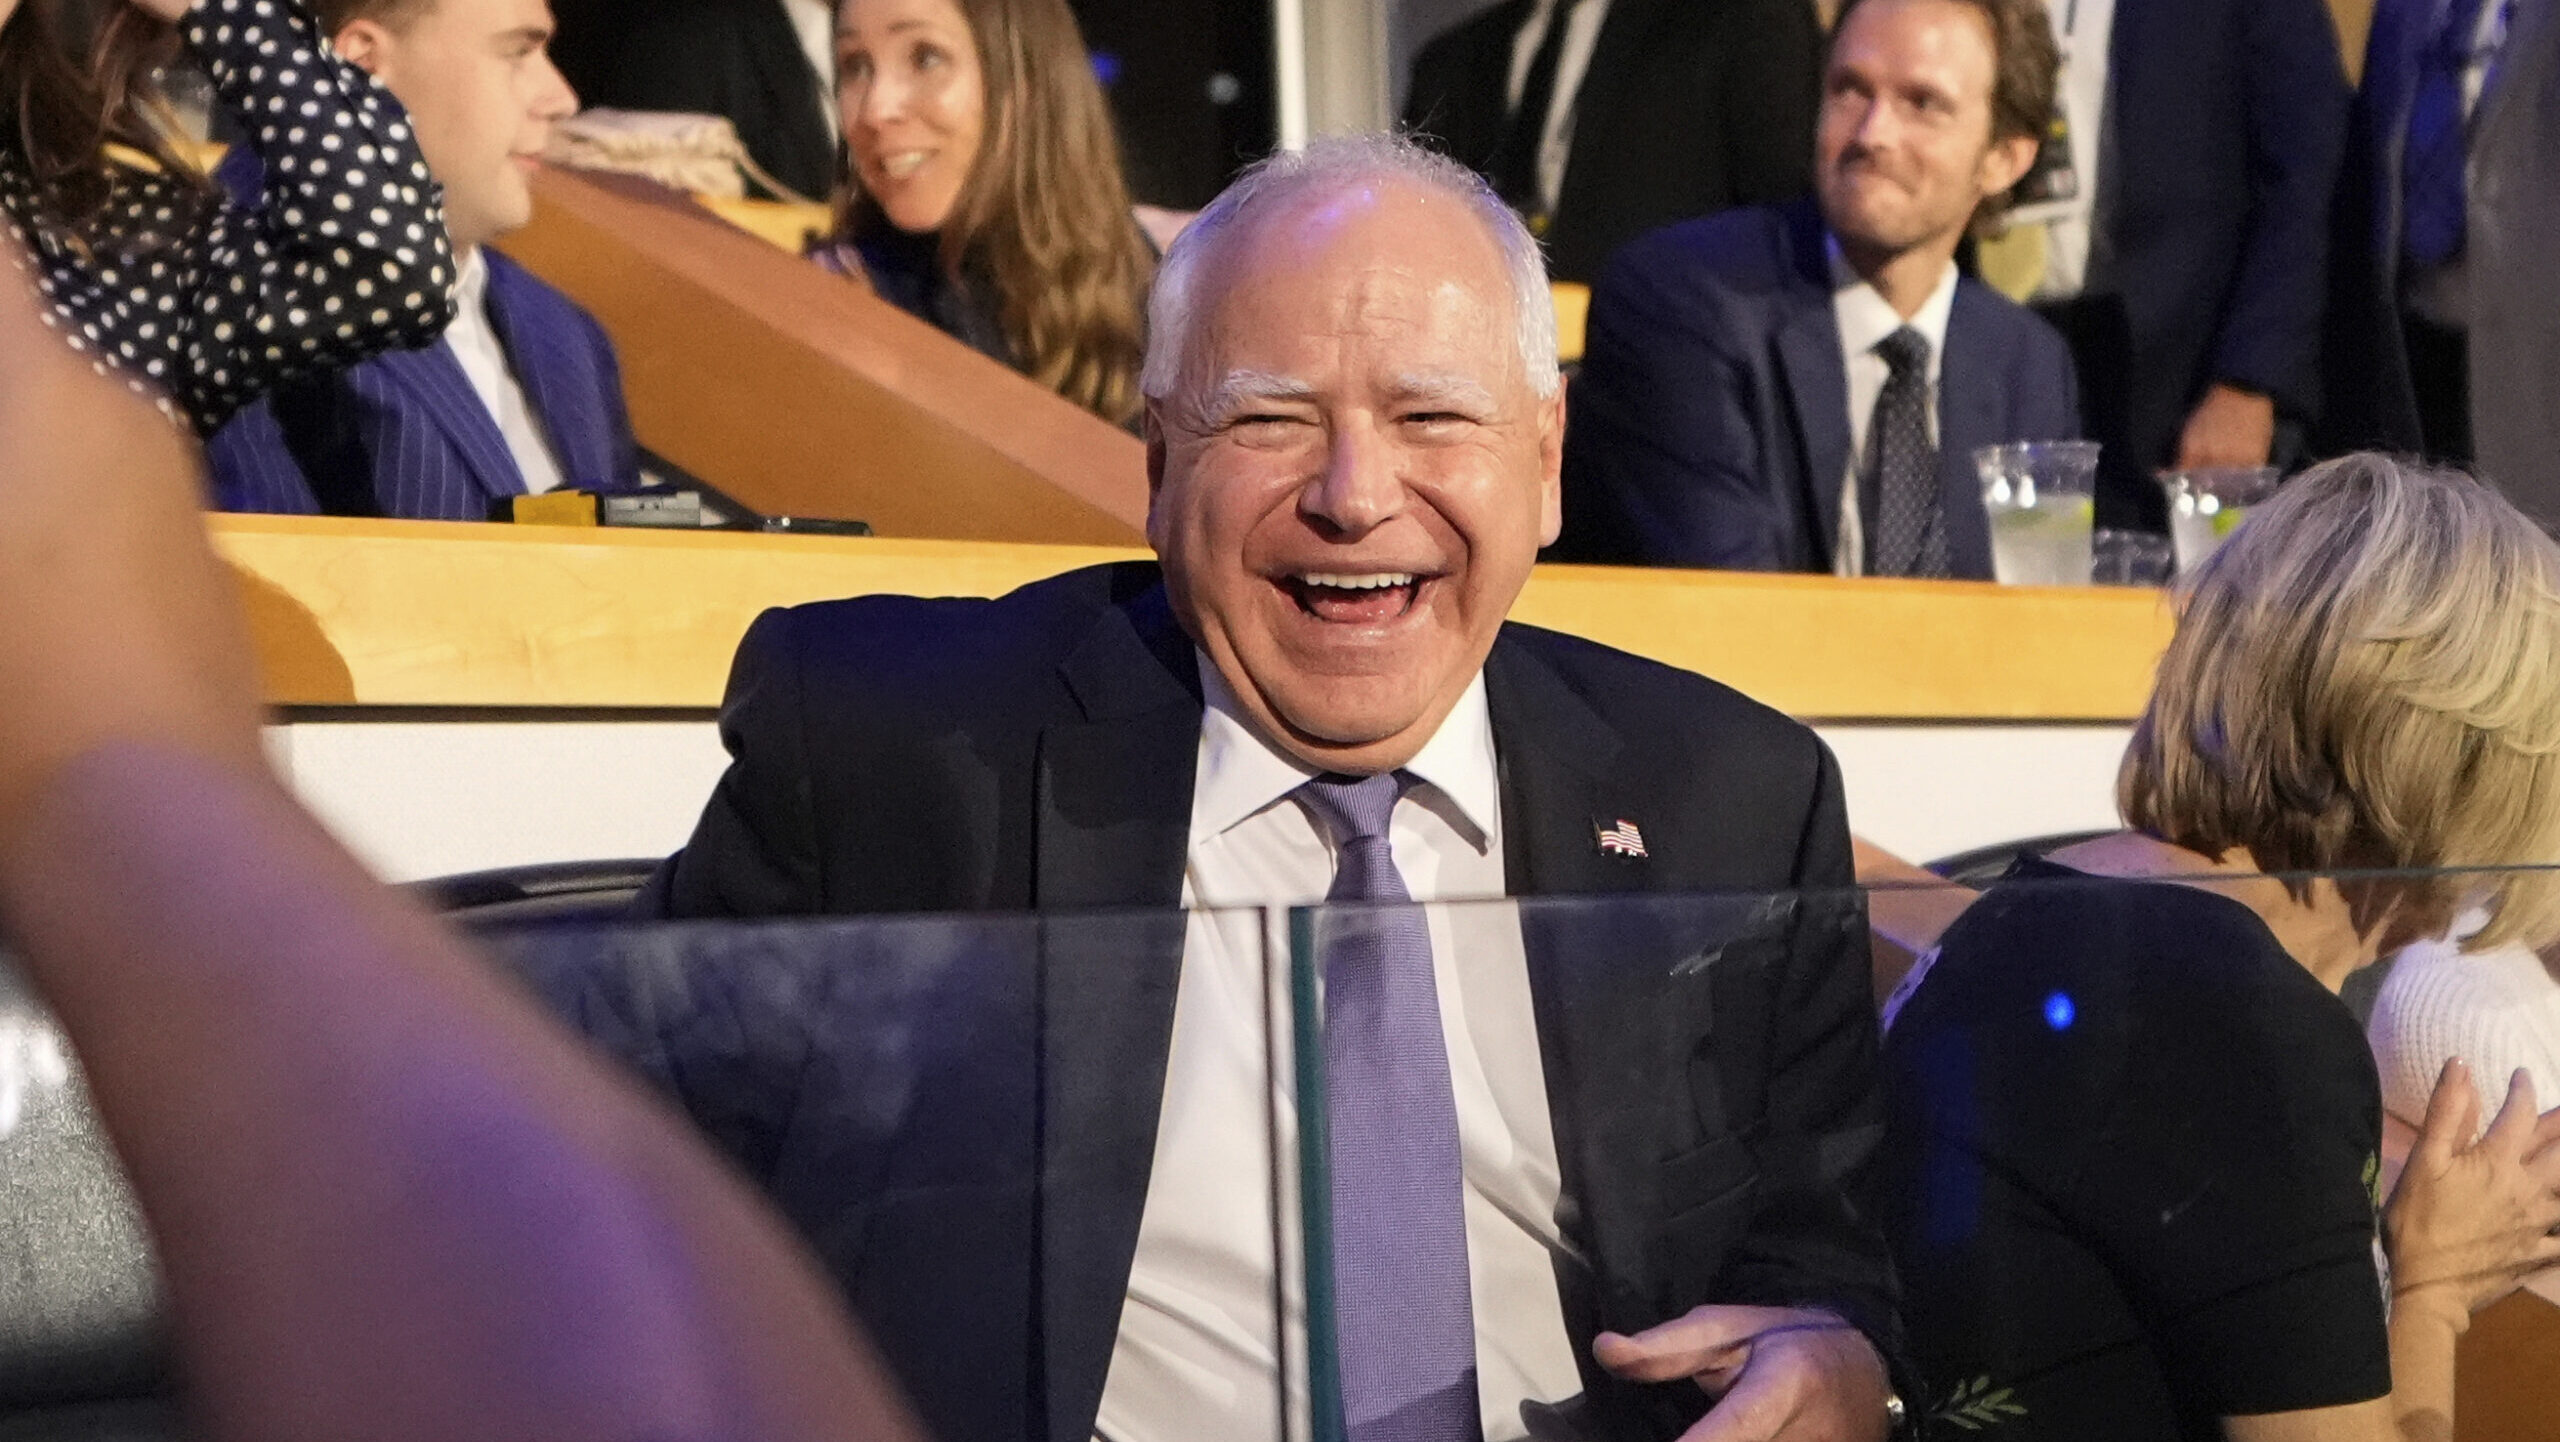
{"x": 1710, "y": 420}
{"x": 893, "y": 754}
{"x": 405, "y": 435}
{"x": 2225, "y": 123}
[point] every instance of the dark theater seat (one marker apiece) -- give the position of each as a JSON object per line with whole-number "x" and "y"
{"x": 81, "y": 1354}
{"x": 81, "y": 1358}
{"x": 565, "y": 893}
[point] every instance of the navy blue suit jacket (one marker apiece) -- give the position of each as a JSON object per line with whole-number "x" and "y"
{"x": 2226, "y": 120}
{"x": 1710, "y": 421}
{"x": 405, "y": 435}
{"x": 1037, "y": 752}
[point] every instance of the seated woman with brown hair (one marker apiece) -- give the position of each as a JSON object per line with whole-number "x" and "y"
{"x": 145, "y": 265}
{"x": 2131, "y": 1159}
{"x": 986, "y": 195}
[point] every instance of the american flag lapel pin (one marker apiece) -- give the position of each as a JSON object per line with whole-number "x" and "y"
{"x": 1619, "y": 838}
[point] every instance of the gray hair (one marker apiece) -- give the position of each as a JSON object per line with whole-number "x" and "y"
{"x": 1333, "y": 162}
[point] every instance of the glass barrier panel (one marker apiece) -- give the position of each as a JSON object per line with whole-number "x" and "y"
{"x": 2068, "y": 1151}
{"x": 1041, "y": 1154}
{"x": 2099, "y": 1153}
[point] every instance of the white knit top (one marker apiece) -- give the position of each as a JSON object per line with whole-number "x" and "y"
{"x": 2498, "y": 1011}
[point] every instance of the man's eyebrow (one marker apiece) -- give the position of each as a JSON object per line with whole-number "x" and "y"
{"x": 1238, "y": 390}
{"x": 1455, "y": 391}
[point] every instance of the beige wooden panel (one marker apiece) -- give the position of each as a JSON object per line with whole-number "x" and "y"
{"x": 1823, "y": 648}
{"x": 421, "y": 613}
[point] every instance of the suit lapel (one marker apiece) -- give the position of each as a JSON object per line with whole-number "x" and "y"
{"x": 1470, "y": 110}
{"x": 433, "y": 382}
{"x": 1114, "y": 812}
{"x": 1606, "y": 1039}
{"x": 1969, "y": 417}
{"x": 1556, "y": 756}
{"x": 557, "y": 378}
{"x": 1817, "y": 379}
{"x": 1624, "y": 33}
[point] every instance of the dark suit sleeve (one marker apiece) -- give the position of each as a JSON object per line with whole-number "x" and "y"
{"x": 1661, "y": 456}
{"x": 2268, "y": 338}
{"x": 2051, "y": 385}
{"x": 1772, "y": 92}
{"x": 253, "y": 466}
{"x": 615, "y": 410}
{"x": 755, "y": 850}
{"x": 1822, "y": 1114}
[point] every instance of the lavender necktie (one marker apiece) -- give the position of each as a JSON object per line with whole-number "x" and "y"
{"x": 1404, "y": 1323}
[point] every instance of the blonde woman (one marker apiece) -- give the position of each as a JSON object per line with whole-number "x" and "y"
{"x": 2131, "y": 1164}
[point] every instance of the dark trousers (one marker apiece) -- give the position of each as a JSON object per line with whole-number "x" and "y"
{"x": 2440, "y": 375}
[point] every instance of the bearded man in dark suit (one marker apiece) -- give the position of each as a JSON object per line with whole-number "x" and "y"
{"x": 1355, "y": 427}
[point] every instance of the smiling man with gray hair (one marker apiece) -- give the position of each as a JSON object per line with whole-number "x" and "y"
{"x": 1354, "y": 428}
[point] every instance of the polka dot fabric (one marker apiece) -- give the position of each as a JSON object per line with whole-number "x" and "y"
{"x": 344, "y": 257}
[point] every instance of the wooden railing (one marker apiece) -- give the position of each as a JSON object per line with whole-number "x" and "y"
{"x": 428, "y": 613}
{"x": 800, "y": 393}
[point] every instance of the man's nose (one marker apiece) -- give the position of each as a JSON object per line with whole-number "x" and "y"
{"x": 1876, "y": 125}
{"x": 556, "y": 99}
{"x": 1360, "y": 488}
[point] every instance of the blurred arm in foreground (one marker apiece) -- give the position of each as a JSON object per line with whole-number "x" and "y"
{"x": 391, "y": 1200}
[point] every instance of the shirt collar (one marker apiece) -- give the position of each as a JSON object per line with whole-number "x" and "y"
{"x": 1242, "y": 775}
{"x": 471, "y": 283}
{"x": 1866, "y": 317}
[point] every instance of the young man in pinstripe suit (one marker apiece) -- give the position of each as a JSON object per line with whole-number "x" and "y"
{"x": 523, "y": 394}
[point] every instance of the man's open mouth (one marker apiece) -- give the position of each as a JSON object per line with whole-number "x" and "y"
{"x": 1355, "y": 597}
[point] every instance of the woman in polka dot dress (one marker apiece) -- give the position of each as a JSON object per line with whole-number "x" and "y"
{"x": 146, "y": 266}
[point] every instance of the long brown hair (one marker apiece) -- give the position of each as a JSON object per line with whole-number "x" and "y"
{"x": 77, "y": 76}
{"x": 1045, "y": 213}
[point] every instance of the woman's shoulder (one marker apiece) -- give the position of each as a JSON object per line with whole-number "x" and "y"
{"x": 2050, "y": 916}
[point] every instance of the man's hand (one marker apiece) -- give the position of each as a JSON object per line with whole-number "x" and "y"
{"x": 172, "y": 11}
{"x": 2231, "y": 427}
{"x": 1779, "y": 1374}
{"x": 2469, "y": 1219}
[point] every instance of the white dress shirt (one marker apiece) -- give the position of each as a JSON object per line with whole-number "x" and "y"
{"x": 1555, "y": 137}
{"x": 1865, "y": 318}
{"x": 1195, "y": 1357}
{"x": 493, "y": 378}
{"x": 814, "y": 21}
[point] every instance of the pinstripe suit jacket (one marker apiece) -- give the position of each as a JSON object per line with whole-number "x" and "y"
{"x": 405, "y": 435}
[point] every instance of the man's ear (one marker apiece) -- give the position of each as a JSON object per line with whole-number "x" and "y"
{"x": 1151, "y": 429}
{"x": 1552, "y": 414}
{"x": 2007, "y": 163}
{"x": 361, "y": 43}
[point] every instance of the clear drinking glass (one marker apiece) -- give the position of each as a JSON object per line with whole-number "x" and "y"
{"x": 2130, "y": 558}
{"x": 2208, "y": 504}
{"x": 2042, "y": 500}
